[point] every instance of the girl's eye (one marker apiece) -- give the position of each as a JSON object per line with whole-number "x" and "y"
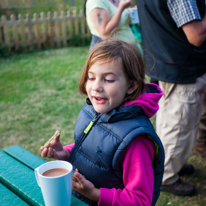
{"x": 91, "y": 78}
{"x": 109, "y": 80}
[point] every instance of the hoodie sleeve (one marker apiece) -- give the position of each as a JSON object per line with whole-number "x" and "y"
{"x": 69, "y": 147}
{"x": 138, "y": 176}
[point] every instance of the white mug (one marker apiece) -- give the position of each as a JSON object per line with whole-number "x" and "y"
{"x": 133, "y": 13}
{"x": 56, "y": 190}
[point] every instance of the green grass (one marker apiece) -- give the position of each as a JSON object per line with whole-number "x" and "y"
{"x": 39, "y": 94}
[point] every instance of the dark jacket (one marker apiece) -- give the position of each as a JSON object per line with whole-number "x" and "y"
{"x": 98, "y": 158}
{"x": 168, "y": 54}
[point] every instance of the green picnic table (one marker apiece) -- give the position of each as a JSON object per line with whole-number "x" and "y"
{"x": 18, "y": 185}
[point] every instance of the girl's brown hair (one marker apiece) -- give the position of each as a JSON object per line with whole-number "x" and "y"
{"x": 132, "y": 62}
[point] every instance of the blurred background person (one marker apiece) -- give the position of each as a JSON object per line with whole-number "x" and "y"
{"x": 107, "y": 18}
{"x": 174, "y": 44}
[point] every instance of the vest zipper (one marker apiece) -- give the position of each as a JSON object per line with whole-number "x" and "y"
{"x": 86, "y": 131}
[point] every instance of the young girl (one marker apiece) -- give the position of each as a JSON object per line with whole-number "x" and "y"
{"x": 117, "y": 157}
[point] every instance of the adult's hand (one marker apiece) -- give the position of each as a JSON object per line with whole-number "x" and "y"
{"x": 125, "y": 4}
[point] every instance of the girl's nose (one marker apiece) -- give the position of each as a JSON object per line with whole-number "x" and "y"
{"x": 97, "y": 86}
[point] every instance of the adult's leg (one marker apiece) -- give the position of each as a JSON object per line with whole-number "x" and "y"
{"x": 177, "y": 123}
{"x": 200, "y": 144}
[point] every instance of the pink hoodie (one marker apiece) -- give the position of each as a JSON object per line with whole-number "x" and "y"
{"x": 136, "y": 161}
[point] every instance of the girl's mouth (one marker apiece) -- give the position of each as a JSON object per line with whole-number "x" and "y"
{"x": 99, "y": 100}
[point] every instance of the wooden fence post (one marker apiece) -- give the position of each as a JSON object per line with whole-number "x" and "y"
{"x": 75, "y": 16}
{"x": 44, "y": 30}
{"x": 37, "y": 31}
{"x": 56, "y": 20}
{"x": 22, "y": 29}
{"x": 15, "y": 33}
{"x": 69, "y": 15}
{"x": 64, "y": 34}
{"x": 51, "y": 29}
{"x": 30, "y": 32}
{"x": 5, "y": 32}
{"x": 82, "y": 26}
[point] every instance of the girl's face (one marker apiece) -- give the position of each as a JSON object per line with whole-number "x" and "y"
{"x": 107, "y": 85}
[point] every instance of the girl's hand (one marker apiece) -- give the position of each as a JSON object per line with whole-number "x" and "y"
{"x": 55, "y": 151}
{"x": 85, "y": 187}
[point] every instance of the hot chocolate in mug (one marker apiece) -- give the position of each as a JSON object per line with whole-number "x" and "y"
{"x": 55, "y": 180}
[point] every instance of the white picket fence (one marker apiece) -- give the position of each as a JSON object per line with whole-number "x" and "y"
{"x": 55, "y": 30}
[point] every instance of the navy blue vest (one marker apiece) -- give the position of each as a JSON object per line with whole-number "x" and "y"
{"x": 168, "y": 55}
{"x": 98, "y": 147}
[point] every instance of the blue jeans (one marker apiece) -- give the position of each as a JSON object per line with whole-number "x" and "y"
{"x": 95, "y": 40}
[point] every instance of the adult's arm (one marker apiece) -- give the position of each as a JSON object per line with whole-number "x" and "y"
{"x": 104, "y": 23}
{"x": 138, "y": 176}
{"x": 195, "y": 31}
{"x": 186, "y": 15}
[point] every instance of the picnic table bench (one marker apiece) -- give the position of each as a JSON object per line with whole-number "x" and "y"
{"x": 18, "y": 185}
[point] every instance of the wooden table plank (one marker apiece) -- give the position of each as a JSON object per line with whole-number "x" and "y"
{"x": 24, "y": 156}
{"x": 20, "y": 180}
{"x": 8, "y": 198}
